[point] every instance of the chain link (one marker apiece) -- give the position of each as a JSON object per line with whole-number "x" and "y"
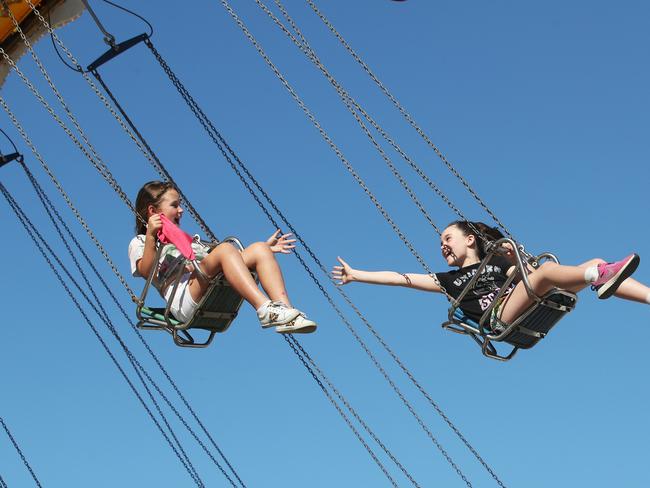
{"x": 19, "y": 451}
{"x": 341, "y": 398}
{"x": 348, "y": 100}
{"x": 304, "y": 46}
{"x": 36, "y": 236}
{"x": 50, "y": 209}
{"x": 294, "y": 346}
{"x": 67, "y": 199}
{"x": 331, "y": 143}
{"x": 139, "y": 141}
{"x": 222, "y": 145}
{"x": 409, "y": 119}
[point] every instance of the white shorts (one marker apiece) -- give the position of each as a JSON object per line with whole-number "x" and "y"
{"x": 183, "y": 305}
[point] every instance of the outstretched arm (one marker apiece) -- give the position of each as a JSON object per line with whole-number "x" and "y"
{"x": 345, "y": 274}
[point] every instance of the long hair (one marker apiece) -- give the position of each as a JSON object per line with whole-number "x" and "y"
{"x": 469, "y": 228}
{"x": 151, "y": 193}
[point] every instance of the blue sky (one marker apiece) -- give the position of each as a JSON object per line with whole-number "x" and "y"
{"x": 543, "y": 108}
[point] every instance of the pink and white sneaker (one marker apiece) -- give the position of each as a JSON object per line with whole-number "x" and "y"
{"x": 611, "y": 275}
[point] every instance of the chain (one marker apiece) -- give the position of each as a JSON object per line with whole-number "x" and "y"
{"x": 50, "y": 209}
{"x": 2, "y": 483}
{"x": 294, "y": 346}
{"x": 350, "y": 409}
{"x": 305, "y": 48}
{"x": 139, "y": 141}
{"x": 162, "y": 171}
{"x": 65, "y": 196}
{"x": 220, "y": 142}
{"x": 95, "y": 159}
{"x": 33, "y": 233}
{"x": 347, "y": 99}
{"x": 331, "y": 143}
{"x": 409, "y": 118}
{"x": 20, "y": 453}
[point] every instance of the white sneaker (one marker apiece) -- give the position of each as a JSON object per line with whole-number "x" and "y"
{"x": 301, "y": 325}
{"x": 275, "y": 313}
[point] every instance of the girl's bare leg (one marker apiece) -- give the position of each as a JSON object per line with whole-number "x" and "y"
{"x": 571, "y": 278}
{"x": 259, "y": 257}
{"x": 548, "y": 276}
{"x": 633, "y": 290}
{"x": 227, "y": 259}
{"x": 630, "y": 289}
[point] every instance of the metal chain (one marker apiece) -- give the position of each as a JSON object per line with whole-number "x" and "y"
{"x": 331, "y": 143}
{"x": 162, "y": 171}
{"x": 2, "y": 483}
{"x": 94, "y": 158}
{"x": 19, "y": 451}
{"x": 305, "y": 47}
{"x": 139, "y": 141}
{"x": 50, "y": 209}
{"x": 65, "y": 196}
{"x": 33, "y": 233}
{"x": 348, "y": 100}
{"x": 341, "y": 398}
{"x": 410, "y": 119}
{"x": 294, "y": 346}
{"x": 221, "y": 143}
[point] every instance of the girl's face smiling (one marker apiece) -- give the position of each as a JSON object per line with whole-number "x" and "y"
{"x": 455, "y": 247}
{"x": 169, "y": 206}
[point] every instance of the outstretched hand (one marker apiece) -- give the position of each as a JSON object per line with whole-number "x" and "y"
{"x": 281, "y": 243}
{"x": 342, "y": 274}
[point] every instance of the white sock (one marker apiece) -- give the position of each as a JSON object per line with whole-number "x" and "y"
{"x": 591, "y": 274}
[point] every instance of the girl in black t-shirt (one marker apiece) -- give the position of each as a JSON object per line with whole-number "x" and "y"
{"x": 462, "y": 249}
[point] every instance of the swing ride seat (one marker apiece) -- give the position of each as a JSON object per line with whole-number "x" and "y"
{"x": 529, "y": 328}
{"x": 214, "y": 313}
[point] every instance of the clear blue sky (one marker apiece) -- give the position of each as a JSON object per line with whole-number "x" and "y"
{"x": 543, "y": 107}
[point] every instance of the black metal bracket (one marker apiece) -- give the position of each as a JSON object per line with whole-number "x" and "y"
{"x": 8, "y": 158}
{"x": 116, "y": 51}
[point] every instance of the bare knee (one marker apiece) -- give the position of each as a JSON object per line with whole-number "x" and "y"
{"x": 260, "y": 250}
{"x": 540, "y": 278}
{"x": 224, "y": 248}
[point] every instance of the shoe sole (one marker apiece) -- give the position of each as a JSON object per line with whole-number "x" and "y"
{"x": 290, "y": 329}
{"x": 290, "y": 318}
{"x": 609, "y": 288}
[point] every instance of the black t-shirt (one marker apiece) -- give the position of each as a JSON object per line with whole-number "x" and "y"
{"x": 485, "y": 289}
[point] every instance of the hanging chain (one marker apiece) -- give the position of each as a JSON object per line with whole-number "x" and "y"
{"x": 410, "y": 119}
{"x": 305, "y": 47}
{"x": 333, "y": 146}
{"x": 65, "y": 196}
{"x": 36, "y": 236}
{"x": 51, "y": 209}
{"x": 341, "y": 398}
{"x": 293, "y": 343}
{"x": 356, "y": 109}
{"x": 221, "y": 143}
{"x": 139, "y": 141}
{"x": 20, "y": 453}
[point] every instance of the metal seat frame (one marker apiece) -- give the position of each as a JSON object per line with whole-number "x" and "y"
{"x": 531, "y": 326}
{"x": 209, "y": 316}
